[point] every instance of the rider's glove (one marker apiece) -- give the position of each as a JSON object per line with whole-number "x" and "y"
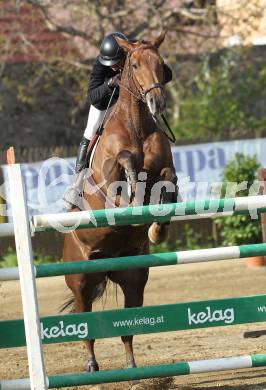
{"x": 114, "y": 81}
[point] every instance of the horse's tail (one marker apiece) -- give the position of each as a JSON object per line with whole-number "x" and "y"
{"x": 99, "y": 290}
{"x": 97, "y": 293}
{"x": 68, "y": 304}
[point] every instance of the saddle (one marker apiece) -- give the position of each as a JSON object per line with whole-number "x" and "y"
{"x": 89, "y": 181}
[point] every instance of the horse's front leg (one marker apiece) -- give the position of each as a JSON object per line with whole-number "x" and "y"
{"x": 126, "y": 161}
{"x": 115, "y": 171}
{"x": 164, "y": 191}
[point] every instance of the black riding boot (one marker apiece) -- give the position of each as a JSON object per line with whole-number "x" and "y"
{"x": 73, "y": 195}
{"x": 82, "y": 154}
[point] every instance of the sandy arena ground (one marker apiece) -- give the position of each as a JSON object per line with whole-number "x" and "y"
{"x": 166, "y": 285}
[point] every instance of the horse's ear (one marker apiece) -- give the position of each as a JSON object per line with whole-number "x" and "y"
{"x": 125, "y": 45}
{"x": 159, "y": 40}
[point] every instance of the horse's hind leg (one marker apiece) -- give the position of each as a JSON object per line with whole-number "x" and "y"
{"x": 133, "y": 298}
{"x": 168, "y": 194}
{"x": 132, "y": 283}
{"x": 91, "y": 364}
{"x": 83, "y": 287}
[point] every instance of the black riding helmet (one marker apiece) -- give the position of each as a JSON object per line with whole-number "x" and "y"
{"x": 110, "y": 52}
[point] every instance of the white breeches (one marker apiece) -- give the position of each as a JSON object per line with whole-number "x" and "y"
{"x": 95, "y": 119}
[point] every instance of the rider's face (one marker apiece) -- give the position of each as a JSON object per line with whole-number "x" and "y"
{"x": 119, "y": 65}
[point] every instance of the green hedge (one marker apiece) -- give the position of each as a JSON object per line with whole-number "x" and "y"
{"x": 239, "y": 230}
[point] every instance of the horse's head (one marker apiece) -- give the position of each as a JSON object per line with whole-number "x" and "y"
{"x": 145, "y": 71}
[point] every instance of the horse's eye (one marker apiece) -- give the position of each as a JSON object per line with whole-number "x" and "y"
{"x": 134, "y": 66}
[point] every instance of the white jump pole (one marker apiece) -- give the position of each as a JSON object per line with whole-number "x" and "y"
{"x": 22, "y": 233}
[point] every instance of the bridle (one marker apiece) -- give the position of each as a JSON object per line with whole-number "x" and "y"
{"x": 139, "y": 94}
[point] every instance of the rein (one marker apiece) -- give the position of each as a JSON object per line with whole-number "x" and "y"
{"x": 170, "y": 137}
{"x": 100, "y": 129}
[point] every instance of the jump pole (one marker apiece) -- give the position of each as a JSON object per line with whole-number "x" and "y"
{"x": 150, "y": 213}
{"x": 147, "y": 372}
{"x": 133, "y": 262}
{"x": 192, "y": 210}
{"x": 26, "y": 274}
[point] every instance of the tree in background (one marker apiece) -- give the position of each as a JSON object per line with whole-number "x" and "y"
{"x": 226, "y": 98}
{"x": 239, "y": 229}
{"x": 195, "y": 28}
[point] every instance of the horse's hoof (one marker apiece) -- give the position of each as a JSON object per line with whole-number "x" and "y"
{"x": 130, "y": 363}
{"x": 158, "y": 232}
{"x": 91, "y": 366}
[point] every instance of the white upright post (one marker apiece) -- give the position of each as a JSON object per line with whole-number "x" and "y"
{"x": 22, "y": 232}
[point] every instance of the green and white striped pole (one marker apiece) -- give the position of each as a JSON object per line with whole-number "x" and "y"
{"x": 147, "y": 372}
{"x": 142, "y": 261}
{"x": 146, "y": 214}
{"x": 64, "y": 222}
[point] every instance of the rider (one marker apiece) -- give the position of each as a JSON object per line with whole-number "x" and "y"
{"x": 104, "y": 78}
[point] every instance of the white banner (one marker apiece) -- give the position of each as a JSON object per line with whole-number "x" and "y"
{"x": 204, "y": 163}
{"x": 198, "y": 168}
{"x": 45, "y": 183}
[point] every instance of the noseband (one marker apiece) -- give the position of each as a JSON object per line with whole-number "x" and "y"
{"x": 141, "y": 94}
{"x": 153, "y": 86}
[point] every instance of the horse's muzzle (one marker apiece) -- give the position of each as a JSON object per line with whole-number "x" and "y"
{"x": 156, "y": 101}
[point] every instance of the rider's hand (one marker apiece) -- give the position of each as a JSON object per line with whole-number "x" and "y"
{"x": 114, "y": 81}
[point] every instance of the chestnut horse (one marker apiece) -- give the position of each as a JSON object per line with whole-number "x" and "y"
{"x": 131, "y": 148}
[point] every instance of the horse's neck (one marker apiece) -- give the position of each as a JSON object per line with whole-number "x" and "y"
{"x": 135, "y": 113}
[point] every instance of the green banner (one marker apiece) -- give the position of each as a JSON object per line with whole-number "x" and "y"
{"x": 149, "y": 319}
